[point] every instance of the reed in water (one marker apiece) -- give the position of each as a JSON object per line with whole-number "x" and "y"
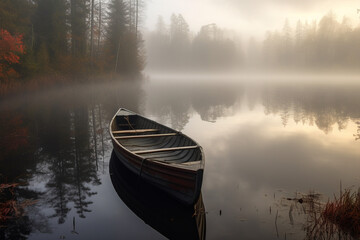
{"x": 337, "y": 219}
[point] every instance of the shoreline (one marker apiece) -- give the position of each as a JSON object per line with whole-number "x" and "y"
{"x": 19, "y": 86}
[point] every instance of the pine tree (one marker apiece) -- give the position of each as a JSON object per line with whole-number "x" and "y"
{"x": 51, "y": 30}
{"x": 116, "y": 35}
{"x": 79, "y": 10}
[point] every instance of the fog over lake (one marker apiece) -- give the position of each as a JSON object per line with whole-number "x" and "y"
{"x": 264, "y": 143}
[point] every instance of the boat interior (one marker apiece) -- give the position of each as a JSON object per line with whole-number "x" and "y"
{"x": 154, "y": 141}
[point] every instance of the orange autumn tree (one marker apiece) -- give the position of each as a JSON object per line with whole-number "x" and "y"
{"x": 10, "y": 49}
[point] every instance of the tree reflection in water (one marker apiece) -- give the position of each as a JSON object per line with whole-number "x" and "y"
{"x": 357, "y": 134}
{"x": 322, "y": 105}
{"x": 52, "y": 140}
{"x": 317, "y": 105}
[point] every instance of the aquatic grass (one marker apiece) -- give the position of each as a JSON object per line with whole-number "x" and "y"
{"x": 344, "y": 212}
{"x": 336, "y": 219}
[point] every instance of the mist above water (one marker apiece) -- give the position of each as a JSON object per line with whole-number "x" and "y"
{"x": 263, "y": 143}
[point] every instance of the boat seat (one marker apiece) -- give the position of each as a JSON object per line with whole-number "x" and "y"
{"x": 147, "y": 136}
{"x": 135, "y": 131}
{"x": 165, "y": 149}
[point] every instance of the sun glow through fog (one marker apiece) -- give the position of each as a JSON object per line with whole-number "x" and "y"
{"x": 248, "y": 18}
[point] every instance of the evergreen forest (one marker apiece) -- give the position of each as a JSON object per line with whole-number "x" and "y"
{"x": 69, "y": 38}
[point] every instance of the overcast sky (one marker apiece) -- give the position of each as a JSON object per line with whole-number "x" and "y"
{"x": 248, "y": 17}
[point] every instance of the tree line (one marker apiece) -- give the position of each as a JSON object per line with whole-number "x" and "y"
{"x": 326, "y": 44}
{"x": 72, "y": 36}
{"x": 317, "y": 45}
{"x": 172, "y": 46}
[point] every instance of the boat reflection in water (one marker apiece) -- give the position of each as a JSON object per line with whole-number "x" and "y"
{"x": 157, "y": 209}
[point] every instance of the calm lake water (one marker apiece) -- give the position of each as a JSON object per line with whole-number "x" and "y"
{"x": 267, "y": 145}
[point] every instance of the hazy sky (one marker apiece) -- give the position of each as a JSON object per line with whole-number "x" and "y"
{"x": 248, "y": 17}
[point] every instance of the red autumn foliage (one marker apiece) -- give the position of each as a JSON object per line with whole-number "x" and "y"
{"x": 10, "y": 49}
{"x": 14, "y": 135}
{"x": 10, "y": 207}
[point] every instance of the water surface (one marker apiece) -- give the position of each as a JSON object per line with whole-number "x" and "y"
{"x": 266, "y": 145}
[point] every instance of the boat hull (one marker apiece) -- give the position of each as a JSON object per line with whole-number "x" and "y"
{"x": 181, "y": 181}
{"x": 184, "y": 185}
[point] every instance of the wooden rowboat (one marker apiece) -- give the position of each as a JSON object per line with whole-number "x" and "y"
{"x": 164, "y": 157}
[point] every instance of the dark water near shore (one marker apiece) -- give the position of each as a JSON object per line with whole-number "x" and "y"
{"x": 266, "y": 146}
